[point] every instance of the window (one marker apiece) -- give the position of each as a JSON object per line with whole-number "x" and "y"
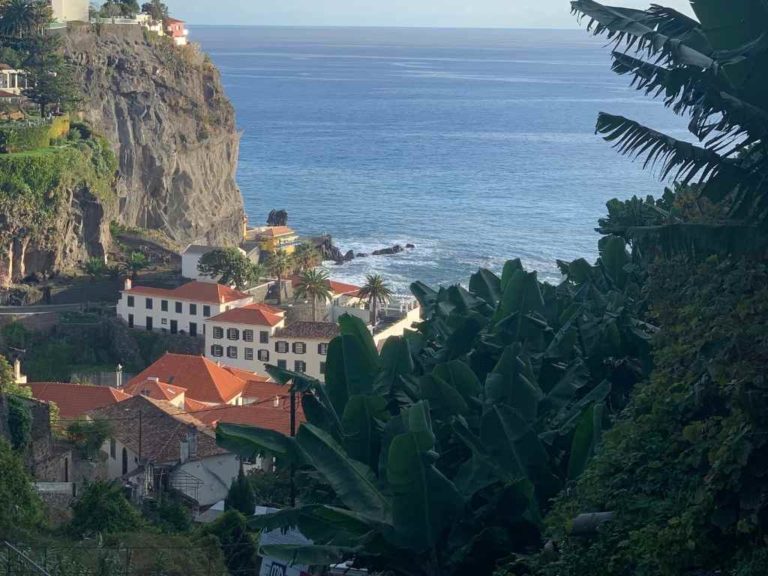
{"x": 206, "y": 311}
{"x": 322, "y": 367}
{"x": 264, "y": 355}
{"x": 233, "y": 334}
{"x": 112, "y": 448}
{"x": 322, "y": 349}
{"x": 178, "y": 308}
{"x": 231, "y": 351}
{"x": 218, "y": 332}
{"x": 248, "y": 335}
{"x": 217, "y": 351}
{"x": 249, "y": 353}
{"x": 164, "y": 305}
{"x": 299, "y": 348}
{"x": 299, "y": 366}
{"x": 264, "y": 337}
{"x": 282, "y": 364}
{"x": 149, "y": 303}
{"x": 281, "y": 347}
{"x": 164, "y": 321}
{"x": 131, "y": 302}
{"x": 193, "y": 309}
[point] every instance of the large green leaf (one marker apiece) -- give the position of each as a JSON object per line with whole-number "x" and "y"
{"x": 249, "y": 442}
{"x": 614, "y": 259}
{"x": 585, "y": 439}
{"x": 513, "y": 383}
{"x": 321, "y": 524}
{"x": 461, "y": 377}
{"x": 352, "y": 481}
{"x": 443, "y": 398}
{"x": 396, "y": 362}
{"x": 363, "y": 421}
{"x": 522, "y": 295}
{"x": 424, "y": 502}
{"x": 486, "y": 285}
{"x": 308, "y": 554}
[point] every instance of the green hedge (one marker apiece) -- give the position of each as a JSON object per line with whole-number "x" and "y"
{"x": 18, "y": 138}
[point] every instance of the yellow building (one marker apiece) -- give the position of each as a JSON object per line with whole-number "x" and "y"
{"x": 278, "y": 238}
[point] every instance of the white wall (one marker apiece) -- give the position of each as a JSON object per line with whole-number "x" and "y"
{"x": 140, "y": 312}
{"x": 70, "y": 10}
{"x": 115, "y": 465}
{"x": 189, "y": 262}
{"x": 241, "y": 345}
{"x": 398, "y": 329}
{"x": 216, "y": 474}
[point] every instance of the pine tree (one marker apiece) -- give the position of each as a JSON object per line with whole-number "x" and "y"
{"x": 241, "y": 496}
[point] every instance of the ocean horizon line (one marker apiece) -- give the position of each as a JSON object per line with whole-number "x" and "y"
{"x": 386, "y": 27}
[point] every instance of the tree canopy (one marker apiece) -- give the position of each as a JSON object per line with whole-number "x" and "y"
{"x": 230, "y": 266}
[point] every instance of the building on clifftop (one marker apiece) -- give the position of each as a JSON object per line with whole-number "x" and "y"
{"x": 71, "y": 10}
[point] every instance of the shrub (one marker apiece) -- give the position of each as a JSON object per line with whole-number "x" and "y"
{"x": 20, "y": 138}
{"x": 89, "y": 435}
{"x": 19, "y": 422}
{"x": 237, "y": 544}
{"x": 241, "y": 496}
{"x": 20, "y": 507}
{"x": 103, "y": 509}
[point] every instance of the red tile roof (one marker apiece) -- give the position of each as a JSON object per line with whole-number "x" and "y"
{"x": 342, "y": 288}
{"x": 253, "y": 314}
{"x": 195, "y": 292}
{"x": 261, "y": 391}
{"x": 204, "y": 380}
{"x": 4, "y": 94}
{"x": 260, "y": 415}
{"x": 246, "y": 375}
{"x": 195, "y": 406}
{"x": 155, "y": 389}
{"x": 74, "y": 400}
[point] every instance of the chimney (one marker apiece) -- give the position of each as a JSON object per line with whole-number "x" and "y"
{"x": 153, "y": 379}
{"x": 276, "y": 401}
{"x": 18, "y": 377}
{"x": 128, "y": 284}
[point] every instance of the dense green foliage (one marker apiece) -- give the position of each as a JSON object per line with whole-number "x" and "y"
{"x": 444, "y": 450}
{"x": 237, "y": 544}
{"x": 20, "y": 507}
{"x": 103, "y": 509}
{"x": 313, "y": 285}
{"x": 168, "y": 514}
{"x": 19, "y": 422}
{"x": 684, "y": 469}
{"x": 241, "y": 496}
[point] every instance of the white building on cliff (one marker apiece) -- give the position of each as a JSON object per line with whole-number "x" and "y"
{"x": 70, "y": 10}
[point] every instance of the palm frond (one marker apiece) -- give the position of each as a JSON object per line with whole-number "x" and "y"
{"x": 681, "y": 160}
{"x": 674, "y": 24}
{"x": 638, "y": 30}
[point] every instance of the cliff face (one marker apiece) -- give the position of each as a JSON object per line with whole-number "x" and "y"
{"x": 165, "y": 113}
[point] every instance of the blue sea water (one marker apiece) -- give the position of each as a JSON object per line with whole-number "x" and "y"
{"x": 475, "y": 145}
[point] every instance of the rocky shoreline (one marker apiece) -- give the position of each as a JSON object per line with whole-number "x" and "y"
{"x": 330, "y": 252}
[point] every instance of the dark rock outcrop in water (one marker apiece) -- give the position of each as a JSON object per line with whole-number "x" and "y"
{"x": 396, "y": 249}
{"x": 165, "y": 113}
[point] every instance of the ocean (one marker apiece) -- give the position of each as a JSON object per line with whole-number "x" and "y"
{"x": 476, "y": 146}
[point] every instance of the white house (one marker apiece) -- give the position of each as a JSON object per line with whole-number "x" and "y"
{"x": 242, "y": 337}
{"x": 190, "y": 259}
{"x": 179, "y": 310}
{"x": 71, "y": 10}
{"x": 12, "y": 81}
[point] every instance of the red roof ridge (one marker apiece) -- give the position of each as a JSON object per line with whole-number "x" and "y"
{"x": 195, "y": 291}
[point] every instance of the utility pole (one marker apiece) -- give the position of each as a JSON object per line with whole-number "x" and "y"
{"x": 139, "y": 436}
{"x": 293, "y": 434}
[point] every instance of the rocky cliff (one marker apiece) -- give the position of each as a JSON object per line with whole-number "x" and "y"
{"x": 166, "y": 115}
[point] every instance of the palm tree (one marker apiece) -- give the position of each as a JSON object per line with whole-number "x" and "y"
{"x": 306, "y": 257}
{"x": 21, "y": 18}
{"x": 707, "y": 70}
{"x": 136, "y": 263}
{"x": 280, "y": 265}
{"x": 313, "y": 284}
{"x": 376, "y": 292}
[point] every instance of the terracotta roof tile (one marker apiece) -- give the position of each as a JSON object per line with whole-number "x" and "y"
{"x": 195, "y": 292}
{"x": 310, "y": 330}
{"x": 253, "y": 314}
{"x": 246, "y": 375}
{"x": 192, "y": 406}
{"x": 204, "y": 380}
{"x": 343, "y": 289}
{"x": 163, "y": 428}
{"x": 261, "y": 415}
{"x": 154, "y": 389}
{"x": 74, "y": 400}
{"x": 261, "y": 391}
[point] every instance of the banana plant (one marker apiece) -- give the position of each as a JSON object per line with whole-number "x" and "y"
{"x": 445, "y": 449}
